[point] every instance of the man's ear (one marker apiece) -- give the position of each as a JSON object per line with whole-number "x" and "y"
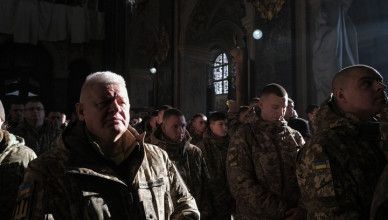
{"x": 340, "y": 95}
{"x": 79, "y": 107}
{"x": 260, "y": 103}
{"x": 163, "y": 127}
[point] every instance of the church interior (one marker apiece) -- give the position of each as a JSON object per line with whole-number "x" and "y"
{"x": 194, "y": 55}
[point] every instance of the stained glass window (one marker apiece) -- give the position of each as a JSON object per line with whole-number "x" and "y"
{"x": 220, "y": 74}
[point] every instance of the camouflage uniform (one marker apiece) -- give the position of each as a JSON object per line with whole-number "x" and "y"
{"x": 14, "y": 158}
{"x": 233, "y": 125}
{"x": 191, "y": 165}
{"x": 39, "y": 140}
{"x": 195, "y": 138}
{"x": 379, "y": 208}
{"x": 261, "y": 169}
{"x": 339, "y": 167}
{"x": 214, "y": 150}
{"x": 74, "y": 180}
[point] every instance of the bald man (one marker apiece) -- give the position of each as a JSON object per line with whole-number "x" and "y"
{"x": 338, "y": 170}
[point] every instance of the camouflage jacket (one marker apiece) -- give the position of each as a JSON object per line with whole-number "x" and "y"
{"x": 379, "y": 208}
{"x": 233, "y": 125}
{"x": 214, "y": 150}
{"x": 192, "y": 167}
{"x": 74, "y": 180}
{"x": 14, "y": 158}
{"x": 39, "y": 140}
{"x": 339, "y": 167}
{"x": 261, "y": 169}
{"x": 195, "y": 137}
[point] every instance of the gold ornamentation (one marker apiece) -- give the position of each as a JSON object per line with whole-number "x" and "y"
{"x": 268, "y": 9}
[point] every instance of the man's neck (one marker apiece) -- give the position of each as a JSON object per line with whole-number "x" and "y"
{"x": 111, "y": 148}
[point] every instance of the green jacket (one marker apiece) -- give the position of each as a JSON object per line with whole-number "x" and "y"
{"x": 14, "y": 158}
{"x": 74, "y": 180}
{"x": 339, "y": 168}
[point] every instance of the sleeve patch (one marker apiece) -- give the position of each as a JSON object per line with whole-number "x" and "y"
{"x": 24, "y": 201}
{"x": 319, "y": 165}
{"x": 232, "y": 156}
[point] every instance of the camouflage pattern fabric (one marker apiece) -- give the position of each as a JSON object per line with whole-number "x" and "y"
{"x": 379, "y": 208}
{"x": 233, "y": 125}
{"x": 340, "y": 166}
{"x": 14, "y": 158}
{"x": 214, "y": 150}
{"x": 261, "y": 162}
{"x": 195, "y": 138}
{"x": 74, "y": 180}
{"x": 39, "y": 140}
{"x": 192, "y": 167}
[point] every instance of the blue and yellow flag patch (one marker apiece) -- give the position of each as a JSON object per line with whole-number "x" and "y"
{"x": 24, "y": 201}
{"x": 319, "y": 165}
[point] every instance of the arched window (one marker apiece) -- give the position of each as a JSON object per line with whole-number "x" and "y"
{"x": 220, "y": 74}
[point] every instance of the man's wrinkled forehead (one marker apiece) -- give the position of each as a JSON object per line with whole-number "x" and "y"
{"x": 107, "y": 89}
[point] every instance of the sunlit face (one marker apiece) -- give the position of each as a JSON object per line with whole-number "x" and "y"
{"x": 219, "y": 128}
{"x": 199, "y": 124}
{"x": 273, "y": 107}
{"x": 106, "y": 111}
{"x": 364, "y": 93}
{"x": 34, "y": 113}
{"x": 16, "y": 112}
{"x": 174, "y": 128}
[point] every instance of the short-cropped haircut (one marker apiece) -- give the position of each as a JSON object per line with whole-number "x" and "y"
{"x": 172, "y": 112}
{"x": 217, "y": 116}
{"x": 275, "y": 89}
{"x": 106, "y": 78}
{"x": 198, "y": 115}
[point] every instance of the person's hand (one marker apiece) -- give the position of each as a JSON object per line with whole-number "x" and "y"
{"x": 295, "y": 214}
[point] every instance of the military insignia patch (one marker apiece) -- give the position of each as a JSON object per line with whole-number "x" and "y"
{"x": 24, "y": 201}
{"x": 319, "y": 165}
{"x": 232, "y": 156}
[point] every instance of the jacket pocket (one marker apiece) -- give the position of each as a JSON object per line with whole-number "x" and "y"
{"x": 156, "y": 200}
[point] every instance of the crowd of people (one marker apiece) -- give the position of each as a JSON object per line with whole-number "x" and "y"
{"x": 265, "y": 162}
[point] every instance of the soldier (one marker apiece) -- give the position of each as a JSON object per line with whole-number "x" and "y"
{"x": 151, "y": 126}
{"x": 262, "y": 159}
{"x": 38, "y": 133}
{"x": 173, "y": 137}
{"x": 290, "y": 111}
{"x": 241, "y": 117}
{"x": 56, "y": 119}
{"x": 311, "y": 112}
{"x": 15, "y": 115}
{"x": 340, "y": 166}
{"x": 100, "y": 168}
{"x": 197, "y": 127}
{"x": 161, "y": 111}
{"x": 214, "y": 146}
{"x": 14, "y": 158}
